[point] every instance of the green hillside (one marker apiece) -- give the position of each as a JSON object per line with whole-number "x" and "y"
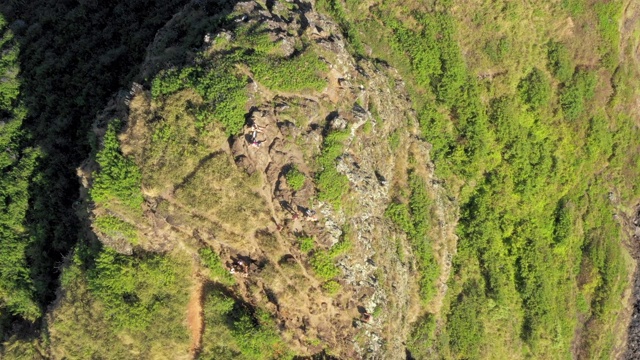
{"x": 333, "y": 179}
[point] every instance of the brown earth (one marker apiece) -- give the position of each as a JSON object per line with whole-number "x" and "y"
{"x": 195, "y": 320}
{"x": 374, "y": 278}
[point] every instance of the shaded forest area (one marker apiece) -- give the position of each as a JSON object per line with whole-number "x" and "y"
{"x": 72, "y": 56}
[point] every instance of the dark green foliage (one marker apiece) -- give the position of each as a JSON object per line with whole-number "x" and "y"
{"x": 464, "y": 322}
{"x": 295, "y": 178}
{"x": 10, "y": 86}
{"x": 18, "y": 293}
{"x": 119, "y": 177}
{"x": 73, "y": 57}
{"x": 577, "y": 92}
{"x": 559, "y": 61}
{"x": 218, "y": 271}
{"x": 535, "y": 89}
{"x": 331, "y": 184}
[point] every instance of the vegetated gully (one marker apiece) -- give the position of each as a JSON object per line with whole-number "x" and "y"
{"x": 633, "y": 331}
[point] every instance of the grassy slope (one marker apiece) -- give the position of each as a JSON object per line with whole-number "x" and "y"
{"x": 531, "y": 144}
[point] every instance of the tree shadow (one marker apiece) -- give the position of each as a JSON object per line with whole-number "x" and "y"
{"x": 74, "y": 57}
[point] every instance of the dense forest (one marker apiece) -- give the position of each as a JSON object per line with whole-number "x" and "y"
{"x": 328, "y": 179}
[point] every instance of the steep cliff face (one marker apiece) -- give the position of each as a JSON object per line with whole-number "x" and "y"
{"x": 269, "y": 121}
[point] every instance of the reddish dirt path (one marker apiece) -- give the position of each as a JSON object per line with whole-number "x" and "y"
{"x": 194, "y": 317}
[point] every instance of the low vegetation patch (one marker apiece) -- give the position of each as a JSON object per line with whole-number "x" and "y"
{"x": 414, "y": 219}
{"x": 233, "y": 330}
{"x": 222, "y": 89}
{"x": 118, "y": 178}
{"x": 217, "y": 270}
{"x": 137, "y": 290}
{"x": 306, "y": 243}
{"x": 295, "y": 178}
{"x": 577, "y": 92}
{"x": 298, "y": 73}
{"x": 114, "y": 227}
{"x": 331, "y": 184}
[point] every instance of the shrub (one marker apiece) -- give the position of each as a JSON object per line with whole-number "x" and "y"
{"x": 234, "y": 330}
{"x": 295, "y": 178}
{"x": 399, "y": 214}
{"x": 217, "y": 270}
{"x": 559, "y": 61}
{"x": 422, "y": 336}
{"x": 340, "y": 248}
{"x": 413, "y": 218}
{"x": 114, "y": 227}
{"x": 464, "y": 322}
{"x": 497, "y": 49}
{"x": 331, "y": 287}
{"x": 221, "y": 88}
{"x": 323, "y": 266}
{"x": 574, "y": 96}
{"x": 535, "y": 89}
{"x": 306, "y": 243}
{"x": 139, "y": 291}
{"x": 119, "y": 177}
{"x": 301, "y": 72}
{"x": 609, "y": 14}
{"x": 331, "y": 184}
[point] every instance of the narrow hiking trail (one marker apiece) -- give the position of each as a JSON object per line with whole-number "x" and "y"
{"x": 195, "y": 318}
